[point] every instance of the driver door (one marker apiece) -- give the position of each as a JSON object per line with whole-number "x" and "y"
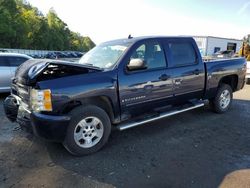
{"x": 143, "y": 90}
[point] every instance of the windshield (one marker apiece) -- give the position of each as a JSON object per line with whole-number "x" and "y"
{"x": 105, "y": 55}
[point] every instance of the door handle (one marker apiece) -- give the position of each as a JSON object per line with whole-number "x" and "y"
{"x": 196, "y": 72}
{"x": 164, "y": 77}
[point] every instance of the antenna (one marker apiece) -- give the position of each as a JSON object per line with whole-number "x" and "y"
{"x": 130, "y": 37}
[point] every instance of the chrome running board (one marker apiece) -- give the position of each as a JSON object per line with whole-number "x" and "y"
{"x": 128, "y": 125}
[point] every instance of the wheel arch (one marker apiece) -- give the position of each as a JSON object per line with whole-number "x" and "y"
{"x": 102, "y": 102}
{"x": 231, "y": 80}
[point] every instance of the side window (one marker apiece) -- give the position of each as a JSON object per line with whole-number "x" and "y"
{"x": 3, "y": 61}
{"x": 151, "y": 53}
{"x": 182, "y": 53}
{"x": 16, "y": 61}
{"x": 139, "y": 52}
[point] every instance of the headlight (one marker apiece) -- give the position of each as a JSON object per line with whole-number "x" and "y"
{"x": 40, "y": 100}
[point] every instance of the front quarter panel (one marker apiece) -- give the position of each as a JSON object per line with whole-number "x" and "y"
{"x": 80, "y": 87}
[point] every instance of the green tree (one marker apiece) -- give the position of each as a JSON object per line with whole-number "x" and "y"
{"x": 78, "y": 42}
{"x": 12, "y": 27}
{"x": 88, "y": 43}
{"x": 59, "y": 32}
{"x": 24, "y": 26}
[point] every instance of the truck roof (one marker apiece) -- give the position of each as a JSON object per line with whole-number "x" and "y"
{"x": 135, "y": 39}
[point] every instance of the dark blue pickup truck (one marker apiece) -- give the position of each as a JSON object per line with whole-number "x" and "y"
{"x": 118, "y": 84}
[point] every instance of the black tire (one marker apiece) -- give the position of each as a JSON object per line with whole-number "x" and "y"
{"x": 215, "y": 103}
{"x": 77, "y": 115}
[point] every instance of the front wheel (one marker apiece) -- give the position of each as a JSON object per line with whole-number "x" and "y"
{"x": 88, "y": 131}
{"x": 223, "y": 99}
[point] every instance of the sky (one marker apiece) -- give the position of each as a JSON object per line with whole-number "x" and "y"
{"x": 104, "y": 20}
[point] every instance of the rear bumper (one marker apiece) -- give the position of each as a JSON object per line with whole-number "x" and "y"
{"x": 49, "y": 127}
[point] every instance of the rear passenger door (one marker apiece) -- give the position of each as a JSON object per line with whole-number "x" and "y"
{"x": 187, "y": 68}
{"x": 5, "y": 73}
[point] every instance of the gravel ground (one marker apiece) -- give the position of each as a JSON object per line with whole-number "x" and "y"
{"x": 194, "y": 149}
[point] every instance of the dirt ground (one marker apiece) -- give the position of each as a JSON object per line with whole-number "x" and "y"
{"x": 194, "y": 149}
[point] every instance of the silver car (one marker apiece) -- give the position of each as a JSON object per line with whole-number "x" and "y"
{"x": 8, "y": 65}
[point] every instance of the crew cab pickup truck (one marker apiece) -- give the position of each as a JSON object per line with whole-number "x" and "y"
{"x": 118, "y": 84}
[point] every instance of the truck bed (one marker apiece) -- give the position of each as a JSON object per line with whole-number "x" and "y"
{"x": 216, "y": 69}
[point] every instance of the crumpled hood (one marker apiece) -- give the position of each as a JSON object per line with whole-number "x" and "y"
{"x": 35, "y": 70}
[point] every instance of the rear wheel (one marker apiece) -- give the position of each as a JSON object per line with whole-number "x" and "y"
{"x": 223, "y": 99}
{"x": 88, "y": 131}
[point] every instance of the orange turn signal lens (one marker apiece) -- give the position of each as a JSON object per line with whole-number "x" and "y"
{"x": 47, "y": 95}
{"x": 47, "y": 105}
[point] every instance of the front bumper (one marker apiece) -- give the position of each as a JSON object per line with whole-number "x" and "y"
{"x": 49, "y": 127}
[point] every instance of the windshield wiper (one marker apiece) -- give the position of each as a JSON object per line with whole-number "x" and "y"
{"x": 88, "y": 64}
{"x": 92, "y": 66}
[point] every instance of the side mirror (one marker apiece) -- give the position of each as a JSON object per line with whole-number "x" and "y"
{"x": 136, "y": 64}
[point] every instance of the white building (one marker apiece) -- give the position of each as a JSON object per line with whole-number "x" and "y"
{"x": 209, "y": 45}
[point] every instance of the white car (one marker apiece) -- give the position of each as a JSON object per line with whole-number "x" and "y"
{"x": 248, "y": 73}
{"x": 8, "y": 65}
